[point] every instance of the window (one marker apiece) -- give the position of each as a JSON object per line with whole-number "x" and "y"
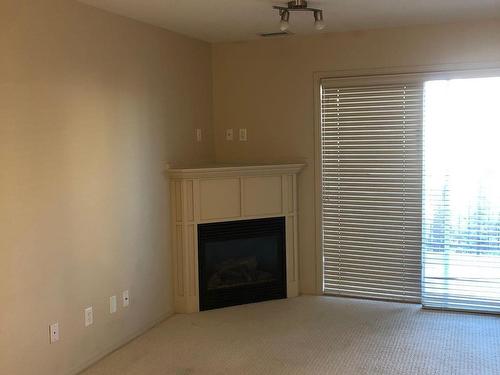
{"x": 461, "y": 221}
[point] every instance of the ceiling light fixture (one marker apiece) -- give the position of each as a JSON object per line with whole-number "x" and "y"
{"x": 299, "y": 5}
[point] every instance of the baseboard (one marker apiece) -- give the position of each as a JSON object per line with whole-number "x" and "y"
{"x": 88, "y": 363}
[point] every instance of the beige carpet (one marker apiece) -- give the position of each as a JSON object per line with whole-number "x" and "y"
{"x": 314, "y": 335}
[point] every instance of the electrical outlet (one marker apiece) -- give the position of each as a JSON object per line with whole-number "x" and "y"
{"x": 243, "y": 135}
{"x": 112, "y": 304}
{"x": 229, "y": 134}
{"x": 89, "y": 316}
{"x": 198, "y": 135}
{"x": 125, "y": 298}
{"x": 54, "y": 332}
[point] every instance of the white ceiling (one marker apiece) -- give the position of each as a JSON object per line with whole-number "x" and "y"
{"x": 233, "y": 20}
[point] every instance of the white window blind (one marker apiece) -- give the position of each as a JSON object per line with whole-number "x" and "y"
{"x": 371, "y": 138}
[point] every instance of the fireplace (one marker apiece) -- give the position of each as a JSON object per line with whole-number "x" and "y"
{"x": 209, "y": 207}
{"x": 241, "y": 262}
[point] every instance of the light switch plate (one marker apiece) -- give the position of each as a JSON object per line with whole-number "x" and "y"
{"x": 54, "y": 332}
{"x": 229, "y": 135}
{"x": 112, "y": 304}
{"x": 198, "y": 135}
{"x": 89, "y": 316}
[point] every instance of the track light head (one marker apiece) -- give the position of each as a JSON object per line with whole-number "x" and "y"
{"x": 285, "y": 17}
{"x": 319, "y": 24}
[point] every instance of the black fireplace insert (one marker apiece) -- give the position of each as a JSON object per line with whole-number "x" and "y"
{"x": 241, "y": 262}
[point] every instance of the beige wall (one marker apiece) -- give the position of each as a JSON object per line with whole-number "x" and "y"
{"x": 92, "y": 106}
{"x": 266, "y": 86}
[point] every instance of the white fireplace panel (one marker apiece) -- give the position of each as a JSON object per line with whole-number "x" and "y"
{"x": 262, "y": 195}
{"x": 220, "y": 198}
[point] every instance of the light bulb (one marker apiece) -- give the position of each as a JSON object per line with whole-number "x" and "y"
{"x": 284, "y": 25}
{"x": 285, "y": 16}
{"x": 319, "y": 25}
{"x": 318, "y": 20}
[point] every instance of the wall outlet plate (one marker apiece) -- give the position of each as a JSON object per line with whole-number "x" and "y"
{"x": 112, "y": 304}
{"x": 125, "y": 298}
{"x": 243, "y": 135}
{"x": 54, "y": 332}
{"x": 89, "y": 316}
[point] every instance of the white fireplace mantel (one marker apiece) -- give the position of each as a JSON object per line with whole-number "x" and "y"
{"x": 215, "y": 193}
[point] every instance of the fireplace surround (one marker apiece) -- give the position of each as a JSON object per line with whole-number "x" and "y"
{"x": 229, "y": 194}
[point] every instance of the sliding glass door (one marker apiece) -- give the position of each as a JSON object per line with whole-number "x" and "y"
{"x": 411, "y": 190}
{"x": 461, "y": 194}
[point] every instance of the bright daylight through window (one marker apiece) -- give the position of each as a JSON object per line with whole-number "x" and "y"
{"x": 461, "y": 194}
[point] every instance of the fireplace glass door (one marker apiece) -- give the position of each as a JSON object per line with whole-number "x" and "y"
{"x": 241, "y": 262}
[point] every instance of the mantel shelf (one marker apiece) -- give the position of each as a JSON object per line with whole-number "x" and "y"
{"x": 228, "y": 170}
